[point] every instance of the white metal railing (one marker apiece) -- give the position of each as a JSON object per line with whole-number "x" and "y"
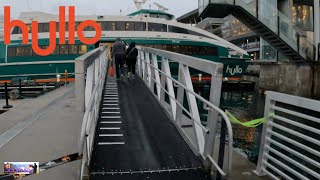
{"x": 199, "y": 137}
{"x": 290, "y": 142}
{"x": 91, "y": 71}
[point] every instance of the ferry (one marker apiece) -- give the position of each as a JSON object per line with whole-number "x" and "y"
{"x": 152, "y": 28}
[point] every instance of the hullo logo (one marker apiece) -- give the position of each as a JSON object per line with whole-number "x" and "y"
{"x": 8, "y": 25}
{"x": 233, "y": 71}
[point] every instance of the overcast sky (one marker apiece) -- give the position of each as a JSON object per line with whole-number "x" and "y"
{"x": 103, "y": 7}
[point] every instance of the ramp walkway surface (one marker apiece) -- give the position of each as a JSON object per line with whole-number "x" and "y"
{"x": 136, "y": 140}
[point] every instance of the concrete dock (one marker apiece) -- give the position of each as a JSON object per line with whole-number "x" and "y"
{"x": 41, "y": 130}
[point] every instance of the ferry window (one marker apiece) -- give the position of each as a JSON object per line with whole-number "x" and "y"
{"x": 212, "y": 51}
{"x": 129, "y": 26}
{"x": 56, "y": 50}
{"x": 28, "y": 51}
{"x": 164, "y": 16}
{"x": 89, "y": 28}
{"x": 190, "y": 50}
{"x": 139, "y": 26}
{"x": 57, "y": 27}
{"x": 20, "y": 51}
{"x": 11, "y": 51}
{"x": 175, "y": 29}
{"x": 64, "y": 49}
{"x": 109, "y": 26}
{"x": 40, "y": 27}
{"x": 183, "y": 50}
{"x": 168, "y": 48}
{"x": 73, "y": 49}
{"x": 176, "y": 48}
{"x": 157, "y": 27}
{"x": 82, "y": 49}
{"x": 16, "y": 30}
{"x": 203, "y": 50}
{"x": 45, "y": 27}
{"x": 120, "y": 26}
{"x": 158, "y": 46}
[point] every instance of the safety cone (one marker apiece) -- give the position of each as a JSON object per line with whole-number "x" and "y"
{"x": 111, "y": 71}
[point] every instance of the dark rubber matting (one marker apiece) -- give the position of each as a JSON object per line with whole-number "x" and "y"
{"x": 151, "y": 141}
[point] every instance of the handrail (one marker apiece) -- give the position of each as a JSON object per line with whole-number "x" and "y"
{"x": 91, "y": 72}
{"x": 149, "y": 71}
{"x": 293, "y": 121}
{"x": 280, "y": 24}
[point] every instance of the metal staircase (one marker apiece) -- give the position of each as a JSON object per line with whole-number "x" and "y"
{"x": 274, "y": 27}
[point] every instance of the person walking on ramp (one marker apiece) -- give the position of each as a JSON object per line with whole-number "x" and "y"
{"x": 132, "y": 54}
{"x": 119, "y": 54}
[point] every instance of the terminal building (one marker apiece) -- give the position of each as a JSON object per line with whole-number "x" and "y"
{"x": 281, "y": 36}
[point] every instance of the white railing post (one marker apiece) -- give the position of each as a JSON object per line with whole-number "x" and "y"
{"x": 147, "y": 55}
{"x": 168, "y": 81}
{"x": 193, "y": 106}
{"x": 180, "y": 98}
{"x": 80, "y": 86}
{"x": 212, "y": 123}
{"x": 156, "y": 73}
{"x": 264, "y": 135}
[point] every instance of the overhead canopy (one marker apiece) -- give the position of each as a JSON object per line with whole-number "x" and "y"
{"x": 190, "y": 17}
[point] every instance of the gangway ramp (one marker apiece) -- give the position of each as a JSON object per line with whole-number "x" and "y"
{"x": 136, "y": 128}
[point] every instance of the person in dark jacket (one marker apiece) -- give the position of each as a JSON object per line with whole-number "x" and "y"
{"x": 119, "y": 54}
{"x": 132, "y": 54}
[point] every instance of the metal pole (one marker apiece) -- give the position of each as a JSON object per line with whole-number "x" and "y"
{"x": 316, "y": 25}
{"x": 7, "y": 106}
{"x": 221, "y": 147}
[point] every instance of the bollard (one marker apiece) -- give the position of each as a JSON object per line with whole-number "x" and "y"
{"x": 7, "y": 106}
{"x": 58, "y": 80}
{"x": 20, "y": 88}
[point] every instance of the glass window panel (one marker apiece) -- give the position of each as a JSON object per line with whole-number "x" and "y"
{"x": 129, "y": 26}
{"x": 73, "y": 49}
{"x": 28, "y": 51}
{"x": 183, "y": 49}
{"x": 20, "y": 51}
{"x": 16, "y": 30}
{"x": 176, "y": 48}
{"x": 109, "y": 26}
{"x": 82, "y": 49}
{"x": 45, "y": 27}
{"x": 139, "y": 26}
{"x": 89, "y": 28}
{"x": 203, "y": 50}
{"x": 120, "y": 26}
{"x": 175, "y": 29}
{"x": 56, "y": 50}
{"x": 40, "y": 27}
{"x": 158, "y": 46}
{"x": 64, "y": 49}
{"x": 212, "y": 51}
{"x": 157, "y": 27}
{"x": 11, "y": 51}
